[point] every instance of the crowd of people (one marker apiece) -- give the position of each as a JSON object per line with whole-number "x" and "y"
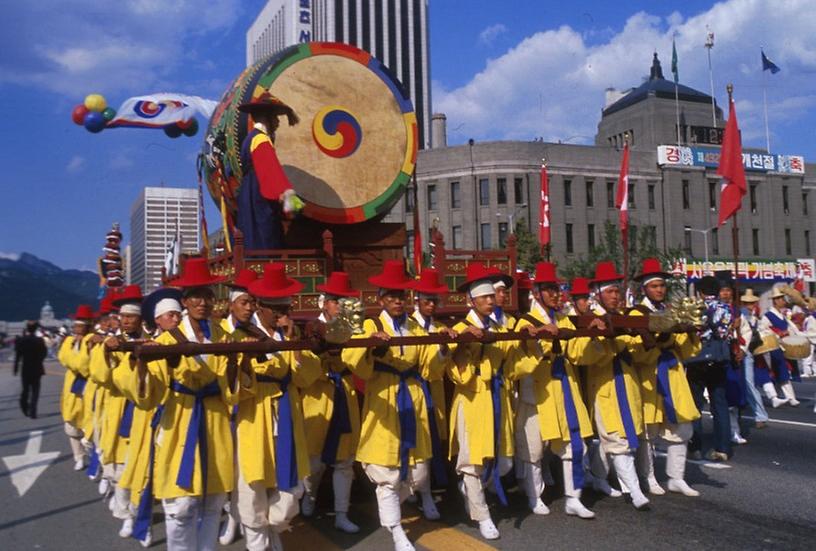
{"x": 253, "y": 434}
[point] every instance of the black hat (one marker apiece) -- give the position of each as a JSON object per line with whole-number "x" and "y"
{"x": 725, "y": 278}
{"x": 708, "y": 286}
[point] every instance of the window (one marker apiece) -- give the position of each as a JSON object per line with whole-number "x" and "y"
{"x": 590, "y": 237}
{"x": 804, "y": 203}
{"x": 501, "y": 185}
{"x": 788, "y": 241}
{"x": 485, "y": 235}
{"x": 409, "y": 200}
{"x": 686, "y": 195}
{"x": 432, "y": 197}
{"x": 569, "y": 238}
{"x": 456, "y": 233}
{"x": 712, "y": 195}
{"x": 518, "y": 188}
{"x": 484, "y": 192}
{"x": 755, "y": 241}
{"x": 630, "y": 195}
{"x": 785, "y": 206}
{"x": 753, "y": 189}
{"x": 590, "y": 193}
{"x": 807, "y": 242}
{"x": 455, "y": 197}
{"x": 651, "y": 190}
{"x": 567, "y": 193}
{"x": 610, "y": 195}
{"x": 715, "y": 241}
{"x": 502, "y": 234}
{"x": 687, "y": 235}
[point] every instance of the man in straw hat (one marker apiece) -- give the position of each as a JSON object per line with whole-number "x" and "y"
{"x": 193, "y": 464}
{"x": 266, "y": 194}
{"x": 550, "y": 411}
{"x": 332, "y": 414}
{"x": 775, "y": 321}
{"x": 396, "y": 439}
{"x": 614, "y": 391}
{"x": 749, "y": 340}
{"x": 668, "y": 406}
{"x": 73, "y": 355}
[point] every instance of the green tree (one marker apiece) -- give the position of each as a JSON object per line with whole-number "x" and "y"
{"x": 528, "y": 249}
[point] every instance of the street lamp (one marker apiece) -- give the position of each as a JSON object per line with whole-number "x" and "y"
{"x": 705, "y": 239}
{"x": 511, "y": 215}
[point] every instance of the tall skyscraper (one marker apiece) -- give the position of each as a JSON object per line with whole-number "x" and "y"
{"x": 154, "y": 217}
{"x": 393, "y": 31}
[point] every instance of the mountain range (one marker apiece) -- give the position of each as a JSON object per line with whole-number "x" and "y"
{"x": 26, "y": 282}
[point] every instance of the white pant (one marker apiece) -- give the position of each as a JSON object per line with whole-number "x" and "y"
{"x": 391, "y": 491}
{"x": 341, "y": 481}
{"x": 75, "y": 439}
{"x": 184, "y": 533}
{"x": 259, "y": 506}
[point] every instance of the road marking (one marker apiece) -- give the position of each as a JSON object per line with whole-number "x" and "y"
{"x": 433, "y": 536}
{"x": 702, "y": 462}
{"x": 25, "y": 469}
{"x": 304, "y": 535}
{"x": 780, "y": 421}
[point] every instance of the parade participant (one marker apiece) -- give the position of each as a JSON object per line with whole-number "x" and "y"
{"x": 271, "y": 443}
{"x": 481, "y": 423}
{"x": 707, "y": 371}
{"x": 579, "y": 292}
{"x": 193, "y": 460}
{"x": 73, "y": 355}
{"x": 775, "y": 321}
{"x": 118, "y": 413}
{"x": 396, "y": 438}
{"x": 749, "y": 341}
{"x": 525, "y": 288}
{"x": 614, "y": 392}
{"x": 29, "y": 353}
{"x": 428, "y": 292}
{"x": 735, "y": 382}
{"x": 502, "y": 286}
{"x": 551, "y": 411}
{"x": 807, "y": 366}
{"x": 668, "y": 406}
{"x": 332, "y": 415}
{"x": 266, "y": 194}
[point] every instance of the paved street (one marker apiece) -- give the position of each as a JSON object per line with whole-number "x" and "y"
{"x": 765, "y": 498}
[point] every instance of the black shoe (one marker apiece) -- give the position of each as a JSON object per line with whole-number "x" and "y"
{"x": 33, "y": 414}
{"x": 24, "y": 409}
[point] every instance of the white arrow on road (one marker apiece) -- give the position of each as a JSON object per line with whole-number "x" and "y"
{"x": 24, "y": 470}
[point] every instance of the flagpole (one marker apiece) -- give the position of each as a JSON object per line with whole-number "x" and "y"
{"x": 765, "y": 105}
{"x": 676, "y": 91}
{"x": 734, "y": 227}
{"x": 710, "y": 44}
{"x": 625, "y": 229}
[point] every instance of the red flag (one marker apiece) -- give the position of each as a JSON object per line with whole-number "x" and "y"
{"x": 731, "y": 169}
{"x": 544, "y": 209}
{"x": 417, "y": 235}
{"x": 622, "y": 195}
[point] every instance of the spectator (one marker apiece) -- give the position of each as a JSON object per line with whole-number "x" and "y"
{"x": 30, "y": 351}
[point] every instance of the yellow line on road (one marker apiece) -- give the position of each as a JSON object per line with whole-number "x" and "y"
{"x": 305, "y": 536}
{"x": 433, "y": 536}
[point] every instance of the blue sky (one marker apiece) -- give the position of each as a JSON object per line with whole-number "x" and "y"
{"x": 528, "y": 69}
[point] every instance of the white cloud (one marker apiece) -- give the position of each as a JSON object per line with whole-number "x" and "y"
{"x": 489, "y": 34}
{"x": 552, "y": 83}
{"x": 10, "y": 256}
{"x": 75, "y": 164}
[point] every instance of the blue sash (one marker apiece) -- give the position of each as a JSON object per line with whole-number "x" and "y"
{"x": 196, "y": 435}
{"x": 78, "y": 386}
{"x": 496, "y": 384}
{"x": 623, "y": 400}
{"x": 665, "y": 362}
{"x": 779, "y": 363}
{"x": 776, "y": 321}
{"x": 127, "y": 420}
{"x": 286, "y": 468}
{"x": 144, "y": 513}
{"x": 93, "y": 462}
{"x": 406, "y": 412}
{"x": 340, "y": 422}
{"x": 559, "y": 372}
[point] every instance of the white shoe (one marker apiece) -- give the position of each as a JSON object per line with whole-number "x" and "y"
{"x": 681, "y": 487}
{"x": 275, "y": 543}
{"x": 401, "y": 542}
{"x": 307, "y": 505}
{"x": 655, "y": 488}
{"x": 776, "y": 402}
{"x": 574, "y": 507}
{"x": 429, "y": 510}
{"x": 602, "y": 486}
{"x": 793, "y": 402}
{"x": 342, "y": 523}
{"x": 639, "y": 500}
{"x": 228, "y": 531}
{"x": 79, "y": 464}
{"x": 148, "y": 540}
{"x": 488, "y": 530}
{"x": 539, "y": 508}
{"x": 104, "y": 486}
{"x": 738, "y": 439}
{"x": 127, "y": 528}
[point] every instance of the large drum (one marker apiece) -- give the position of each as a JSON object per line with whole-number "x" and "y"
{"x": 352, "y": 153}
{"x": 795, "y": 347}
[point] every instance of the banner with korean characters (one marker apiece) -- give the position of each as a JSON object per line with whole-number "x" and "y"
{"x": 756, "y": 271}
{"x": 672, "y": 155}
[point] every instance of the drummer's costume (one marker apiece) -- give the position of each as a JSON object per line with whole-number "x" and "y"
{"x": 272, "y": 455}
{"x": 614, "y": 395}
{"x": 266, "y": 193}
{"x": 332, "y": 417}
{"x": 551, "y": 411}
{"x": 396, "y": 438}
{"x": 193, "y": 459}
{"x": 668, "y": 405}
{"x": 481, "y": 418}
{"x": 776, "y": 322}
{"x": 74, "y": 357}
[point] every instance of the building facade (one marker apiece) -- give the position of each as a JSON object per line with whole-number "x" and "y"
{"x": 474, "y": 193}
{"x": 154, "y": 218}
{"x": 393, "y": 31}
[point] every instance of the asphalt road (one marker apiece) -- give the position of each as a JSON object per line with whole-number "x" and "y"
{"x": 764, "y": 498}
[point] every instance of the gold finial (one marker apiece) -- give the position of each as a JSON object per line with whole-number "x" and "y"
{"x": 730, "y": 89}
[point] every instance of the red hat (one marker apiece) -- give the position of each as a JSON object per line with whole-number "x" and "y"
{"x": 339, "y": 285}
{"x": 545, "y": 273}
{"x": 605, "y": 272}
{"x": 196, "y": 273}
{"x": 105, "y": 305}
{"x": 393, "y": 276}
{"x": 523, "y": 281}
{"x": 579, "y": 287}
{"x": 429, "y": 284}
{"x": 274, "y": 283}
{"x": 504, "y": 278}
{"x": 651, "y": 269}
{"x": 83, "y": 312}
{"x": 131, "y": 293}
{"x": 476, "y": 271}
{"x": 243, "y": 279}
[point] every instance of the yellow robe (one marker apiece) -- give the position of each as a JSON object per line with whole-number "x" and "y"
{"x": 683, "y": 346}
{"x": 380, "y": 432}
{"x": 438, "y": 389}
{"x": 548, "y": 391}
{"x": 75, "y": 358}
{"x": 472, "y": 392}
{"x": 258, "y": 414}
{"x": 194, "y": 373}
{"x": 93, "y": 401}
